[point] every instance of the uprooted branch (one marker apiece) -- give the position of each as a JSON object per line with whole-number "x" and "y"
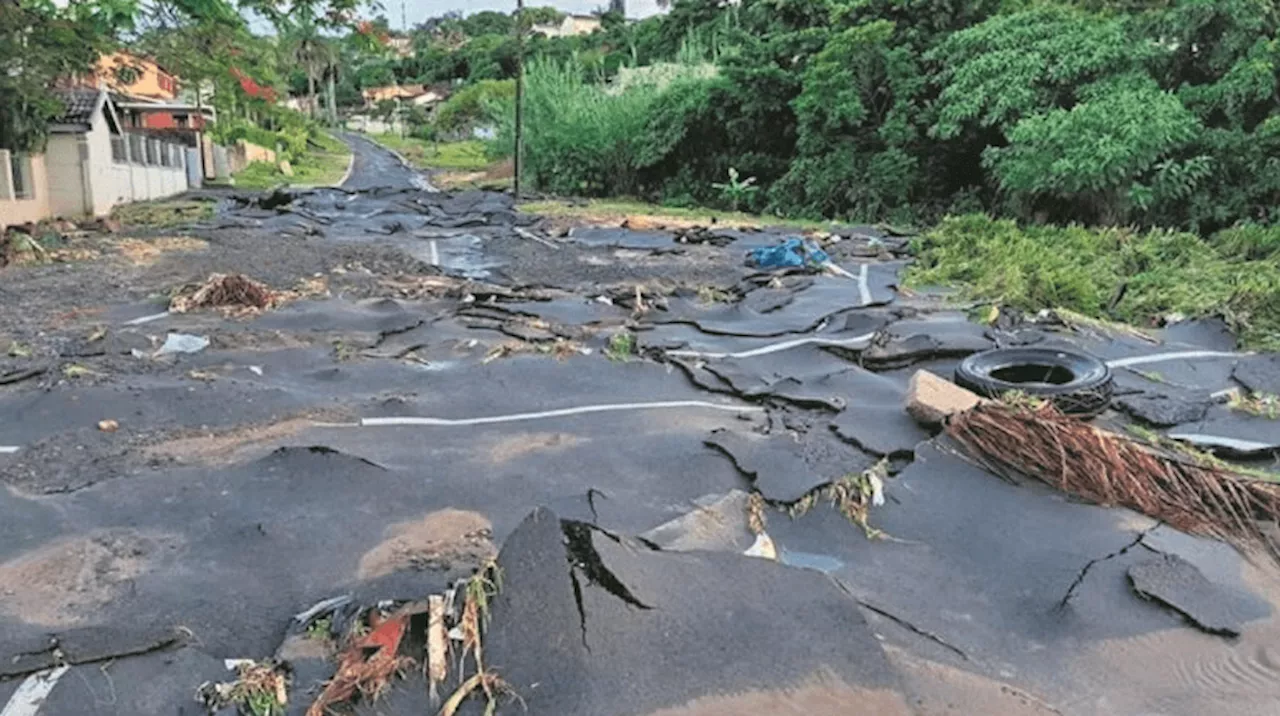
{"x": 1197, "y": 497}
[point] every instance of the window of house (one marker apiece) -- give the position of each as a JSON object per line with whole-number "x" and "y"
{"x": 20, "y": 166}
{"x": 182, "y": 121}
{"x": 135, "y": 149}
{"x": 119, "y": 152}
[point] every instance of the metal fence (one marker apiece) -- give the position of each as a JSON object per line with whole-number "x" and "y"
{"x": 146, "y": 151}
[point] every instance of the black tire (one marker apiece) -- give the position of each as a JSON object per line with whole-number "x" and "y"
{"x": 1078, "y": 384}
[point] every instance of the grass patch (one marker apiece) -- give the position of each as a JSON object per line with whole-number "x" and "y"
{"x": 162, "y": 214}
{"x": 323, "y": 164}
{"x": 1112, "y": 274}
{"x": 621, "y": 346}
{"x": 618, "y": 210}
{"x": 466, "y": 156}
{"x": 1260, "y": 405}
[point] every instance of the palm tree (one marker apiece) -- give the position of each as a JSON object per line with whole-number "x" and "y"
{"x": 310, "y": 50}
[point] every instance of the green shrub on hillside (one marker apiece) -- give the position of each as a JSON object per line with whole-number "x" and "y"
{"x": 1107, "y": 273}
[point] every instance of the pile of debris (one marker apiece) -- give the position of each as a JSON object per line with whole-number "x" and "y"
{"x": 235, "y": 293}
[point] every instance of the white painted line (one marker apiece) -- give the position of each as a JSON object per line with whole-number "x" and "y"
{"x": 9, "y": 449}
{"x": 34, "y": 690}
{"x": 147, "y": 319}
{"x": 351, "y": 165}
{"x": 435, "y": 253}
{"x": 1180, "y": 355}
{"x": 855, "y": 342}
{"x": 562, "y": 412}
{"x": 864, "y": 291}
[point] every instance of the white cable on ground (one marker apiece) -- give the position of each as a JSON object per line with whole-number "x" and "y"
{"x": 146, "y": 319}
{"x": 32, "y": 692}
{"x": 864, "y": 290}
{"x": 562, "y": 412}
{"x": 9, "y": 449}
{"x": 855, "y": 342}
{"x": 1180, "y": 355}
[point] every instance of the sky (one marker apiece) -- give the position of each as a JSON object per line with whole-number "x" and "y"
{"x": 419, "y": 10}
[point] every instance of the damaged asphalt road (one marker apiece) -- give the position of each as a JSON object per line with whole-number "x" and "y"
{"x": 446, "y": 379}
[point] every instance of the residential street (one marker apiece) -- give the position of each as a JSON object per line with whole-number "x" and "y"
{"x": 375, "y": 167}
{"x": 441, "y": 379}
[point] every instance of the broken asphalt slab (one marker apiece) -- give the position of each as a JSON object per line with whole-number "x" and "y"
{"x": 583, "y": 614}
{"x": 787, "y": 467}
{"x": 1177, "y": 584}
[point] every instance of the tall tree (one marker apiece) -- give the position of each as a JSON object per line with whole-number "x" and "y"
{"x": 40, "y": 43}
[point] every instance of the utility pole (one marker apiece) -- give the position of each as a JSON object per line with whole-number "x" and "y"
{"x": 404, "y": 17}
{"x": 519, "y": 159}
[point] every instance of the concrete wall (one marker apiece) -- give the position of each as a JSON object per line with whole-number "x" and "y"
{"x": 68, "y": 186}
{"x": 85, "y": 161}
{"x": 242, "y": 154}
{"x": 20, "y": 211}
{"x": 370, "y": 125}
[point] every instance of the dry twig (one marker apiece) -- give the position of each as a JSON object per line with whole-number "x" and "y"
{"x": 234, "y": 291}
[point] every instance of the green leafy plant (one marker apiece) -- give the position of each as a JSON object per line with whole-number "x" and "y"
{"x": 621, "y": 346}
{"x": 737, "y": 190}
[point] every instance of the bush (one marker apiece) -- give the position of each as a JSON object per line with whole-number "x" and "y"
{"x": 476, "y": 105}
{"x": 1108, "y": 273}
{"x": 579, "y": 138}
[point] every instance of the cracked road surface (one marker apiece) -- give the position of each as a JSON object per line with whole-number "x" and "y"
{"x": 440, "y": 388}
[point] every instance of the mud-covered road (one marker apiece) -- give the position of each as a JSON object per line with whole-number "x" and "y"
{"x": 448, "y": 377}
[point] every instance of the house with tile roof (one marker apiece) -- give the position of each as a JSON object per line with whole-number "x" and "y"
{"x": 94, "y": 161}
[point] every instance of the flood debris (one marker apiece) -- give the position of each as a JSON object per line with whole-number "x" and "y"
{"x": 489, "y": 683}
{"x": 791, "y": 253}
{"x": 261, "y": 688}
{"x": 368, "y": 663}
{"x": 17, "y": 376}
{"x": 176, "y": 343}
{"x": 234, "y": 292}
{"x": 1197, "y": 497}
{"x": 853, "y": 495}
{"x": 440, "y": 632}
{"x": 931, "y": 400}
{"x": 437, "y": 647}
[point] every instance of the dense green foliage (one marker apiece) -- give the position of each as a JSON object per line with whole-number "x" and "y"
{"x": 40, "y": 43}
{"x": 1157, "y": 113}
{"x": 1116, "y": 273}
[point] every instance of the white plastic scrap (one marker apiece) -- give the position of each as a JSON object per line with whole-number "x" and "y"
{"x": 182, "y": 343}
{"x": 763, "y": 547}
{"x": 877, "y": 489}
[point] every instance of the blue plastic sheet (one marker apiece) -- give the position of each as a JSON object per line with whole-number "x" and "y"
{"x": 792, "y": 253}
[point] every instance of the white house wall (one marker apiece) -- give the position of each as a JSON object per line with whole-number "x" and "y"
{"x": 66, "y": 182}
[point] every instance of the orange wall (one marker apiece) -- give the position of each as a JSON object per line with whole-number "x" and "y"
{"x": 165, "y": 120}
{"x": 151, "y": 80}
